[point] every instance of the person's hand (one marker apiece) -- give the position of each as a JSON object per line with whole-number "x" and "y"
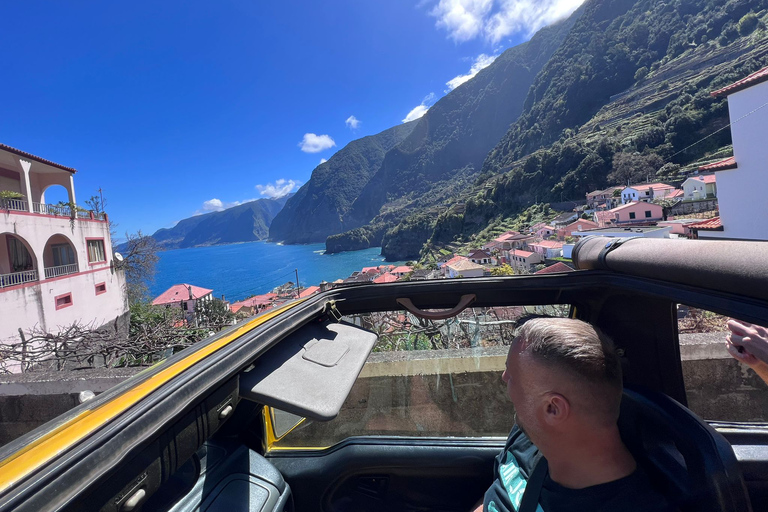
{"x": 748, "y": 343}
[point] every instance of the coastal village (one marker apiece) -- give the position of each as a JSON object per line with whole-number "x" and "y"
{"x": 717, "y": 201}
{"x": 76, "y": 277}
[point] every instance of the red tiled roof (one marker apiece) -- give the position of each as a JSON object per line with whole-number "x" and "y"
{"x": 524, "y": 254}
{"x": 455, "y": 259}
{"x": 309, "y": 291}
{"x": 654, "y": 186}
{"x": 709, "y": 178}
{"x": 549, "y": 244}
{"x": 713, "y": 224}
{"x": 753, "y": 79}
{"x": 180, "y": 292}
{"x": 676, "y": 193}
{"x": 583, "y": 222}
{"x": 257, "y": 300}
{"x": 604, "y": 216}
{"x": 557, "y": 267}
{"x": 370, "y": 270}
{"x": 235, "y": 307}
{"x": 478, "y": 254}
{"x": 403, "y": 269}
{"x": 385, "y": 278}
{"x": 631, "y": 203}
{"x": 34, "y": 157}
{"x": 722, "y": 165}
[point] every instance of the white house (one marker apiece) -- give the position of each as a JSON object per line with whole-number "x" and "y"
{"x": 184, "y": 296}
{"x": 464, "y": 268}
{"x": 742, "y": 179}
{"x": 56, "y": 264}
{"x": 700, "y": 187}
{"x": 646, "y": 192}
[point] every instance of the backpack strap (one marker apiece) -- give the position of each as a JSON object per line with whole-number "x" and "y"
{"x": 530, "y": 500}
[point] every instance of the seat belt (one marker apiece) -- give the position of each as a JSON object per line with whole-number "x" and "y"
{"x": 530, "y": 500}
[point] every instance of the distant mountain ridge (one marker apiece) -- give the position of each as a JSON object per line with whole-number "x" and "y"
{"x": 320, "y": 206}
{"x": 247, "y": 222}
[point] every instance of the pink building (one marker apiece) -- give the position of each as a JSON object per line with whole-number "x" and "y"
{"x": 637, "y": 213}
{"x": 56, "y": 264}
{"x": 578, "y": 225}
{"x": 547, "y": 248}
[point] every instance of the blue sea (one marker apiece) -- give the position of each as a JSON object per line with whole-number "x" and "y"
{"x": 238, "y": 271}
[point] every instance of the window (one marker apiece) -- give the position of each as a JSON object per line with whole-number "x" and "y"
{"x": 63, "y": 255}
{"x": 63, "y": 301}
{"x": 423, "y": 378}
{"x": 718, "y": 387}
{"x": 101, "y": 288}
{"x": 96, "y": 251}
{"x": 631, "y": 215}
{"x": 647, "y": 214}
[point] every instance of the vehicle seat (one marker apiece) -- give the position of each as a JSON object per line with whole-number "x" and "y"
{"x": 687, "y": 460}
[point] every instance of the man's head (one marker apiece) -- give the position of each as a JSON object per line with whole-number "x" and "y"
{"x": 561, "y": 375}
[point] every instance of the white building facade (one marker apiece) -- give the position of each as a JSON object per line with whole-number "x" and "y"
{"x": 743, "y": 179}
{"x": 56, "y": 265}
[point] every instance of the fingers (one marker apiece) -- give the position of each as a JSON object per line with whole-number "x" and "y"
{"x": 739, "y": 327}
{"x": 740, "y": 353}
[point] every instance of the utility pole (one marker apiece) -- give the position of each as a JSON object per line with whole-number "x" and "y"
{"x": 298, "y": 290}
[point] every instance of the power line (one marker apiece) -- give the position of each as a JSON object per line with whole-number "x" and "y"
{"x": 717, "y": 131}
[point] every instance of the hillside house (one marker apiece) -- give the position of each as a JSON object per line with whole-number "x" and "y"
{"x": 700, "y": 187}
{"x": 479, "y": 257}
{"x": 452, "y": 261}
{"x": 578, "y": 225}
{"x": 646, "y": 192}
{"x": 385, "y": 278}
{"x": 547, "y": 248}
{"x": 524, "y": 260}
{"x": 545, "y": 231}
{"x": 602, "y": 199}
{"x": 636, "y": 213}
{"x": 401, "y": 270}
{"x": 465, "y": 268}
{"x": 564, "y": 219}
{"x": 56, "y": 262}
{"x": 184, "y": 296}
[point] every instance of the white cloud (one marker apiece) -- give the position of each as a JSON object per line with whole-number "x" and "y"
{"x": 495, "y": 20}
{"x": 352, "y": 122}
{"x": 421, "y": 109}
{"x": 313, "y": 143}
{"x": 280, "y": 188}
{"x": 463, "y": 19}
{"x": 482, "y": 61}
{"x": 323, "y": 160}
{"x": 213, "y": 205}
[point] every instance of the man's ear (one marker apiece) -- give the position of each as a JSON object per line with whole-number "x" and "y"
{"x": 555, "y": 410}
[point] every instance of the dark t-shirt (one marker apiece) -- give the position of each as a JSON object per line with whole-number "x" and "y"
{"x": 514, "y": 465}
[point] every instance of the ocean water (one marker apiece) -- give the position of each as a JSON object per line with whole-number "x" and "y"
{"x": 238, "y": 271}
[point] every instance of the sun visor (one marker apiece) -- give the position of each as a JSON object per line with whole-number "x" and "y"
{"x": 311, "y": 372}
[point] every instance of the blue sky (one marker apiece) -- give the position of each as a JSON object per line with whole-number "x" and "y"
{"x": 176, "y": 108}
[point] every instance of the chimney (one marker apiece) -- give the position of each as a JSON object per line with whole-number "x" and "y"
{"x": 190, "y": 291}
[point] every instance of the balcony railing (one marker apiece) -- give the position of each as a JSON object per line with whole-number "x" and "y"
{"x": 17, "y": 278}
{"x": 61, "y": 270}
{"x": 18, "y": 205}
{"x": 51, "y": 209}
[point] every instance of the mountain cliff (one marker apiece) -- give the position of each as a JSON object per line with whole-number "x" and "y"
{"x": 247, "y": 222}
{"x": 444, "y": 152}
{"x": 631, "y": 80}
{"x": 320, "y": 206}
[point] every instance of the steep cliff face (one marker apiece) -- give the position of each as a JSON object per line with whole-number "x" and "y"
{"x": 452, "y": 139}
{"x": 244, "y": 223}
{"x": 319, "y": 208}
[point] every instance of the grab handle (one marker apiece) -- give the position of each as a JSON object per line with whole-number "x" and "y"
{"x": 465, "y": 301}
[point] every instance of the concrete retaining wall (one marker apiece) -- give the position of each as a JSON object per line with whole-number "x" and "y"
{"x": 446, "y": 393}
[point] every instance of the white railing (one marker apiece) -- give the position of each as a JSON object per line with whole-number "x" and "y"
{"x": 51, "y": 209}
{"x": 17, "y": 278}
{"x": 61, "y": 270}
{"x": 19, "y": 205}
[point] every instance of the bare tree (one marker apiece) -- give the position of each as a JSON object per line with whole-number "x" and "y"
{"x": 139, "y": 264}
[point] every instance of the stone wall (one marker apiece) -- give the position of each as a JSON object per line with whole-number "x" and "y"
{"x": 428, "y": 393}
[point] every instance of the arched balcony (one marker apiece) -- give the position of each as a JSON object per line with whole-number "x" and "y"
{"x": 17, "y": 261}
{"x": 59, "y": 257}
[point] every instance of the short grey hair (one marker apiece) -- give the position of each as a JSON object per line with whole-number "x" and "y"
{"x": 576, "y": 347}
